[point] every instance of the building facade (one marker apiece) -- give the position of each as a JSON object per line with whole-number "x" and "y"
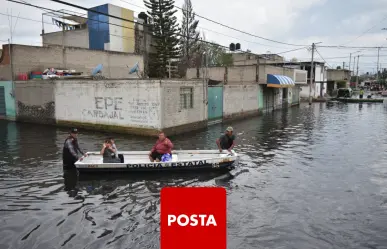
{"x": 98, "y": 31}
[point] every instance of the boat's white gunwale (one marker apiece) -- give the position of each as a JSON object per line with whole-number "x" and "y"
{"x": 214, "y": 161}
{"x": 231, "y": 157}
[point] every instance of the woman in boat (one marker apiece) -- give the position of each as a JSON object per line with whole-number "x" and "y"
{"x": 120, "y": 156}
{"x": 162, "y": 147}
{"x": 109, "y": 153}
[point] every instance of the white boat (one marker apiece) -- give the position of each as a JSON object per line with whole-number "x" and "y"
{"x": 181, "y": 160}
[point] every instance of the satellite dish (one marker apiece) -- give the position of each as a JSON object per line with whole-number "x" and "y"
{"x": 97, "y": 69}
{"x": 134, "y": 69}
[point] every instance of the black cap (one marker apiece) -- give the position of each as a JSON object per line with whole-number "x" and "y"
{"x": 74, "y": 130}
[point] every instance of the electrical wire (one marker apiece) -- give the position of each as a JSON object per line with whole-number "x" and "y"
{"x": 365, "y": 32}
{"x": 322, "y": 58}
{"x": 238, "y": 30}
{"x": 63, "y": 12}
{"x": 216, "y": 32}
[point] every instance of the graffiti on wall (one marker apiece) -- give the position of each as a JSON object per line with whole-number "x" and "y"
{"x": 136, "y": 110}
{"x": 141, "y": 110}
{"x": 105, "y": 108}
{"x": 123, "y": 105}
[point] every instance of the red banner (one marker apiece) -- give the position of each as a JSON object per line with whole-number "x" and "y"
{"x": 193, "y": 217}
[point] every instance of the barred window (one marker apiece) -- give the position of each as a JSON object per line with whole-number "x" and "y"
{"x": 186, "y": 97}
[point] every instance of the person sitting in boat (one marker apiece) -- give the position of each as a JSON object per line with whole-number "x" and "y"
{"x": 109, "y": 153}
{"x": 120, "y": 156}
{"x": 227, "y": 140}
{"x": 163, "y": 146}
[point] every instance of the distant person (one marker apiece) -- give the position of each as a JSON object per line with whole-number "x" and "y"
{"x": 163, "y": 146}
{"x": 109, "y": 153}
{"x": 227, "y": 140}
{"x": 71, "y": 149}
{"x": 361, "y": 93}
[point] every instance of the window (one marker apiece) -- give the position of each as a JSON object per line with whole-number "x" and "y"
{"x": 186, "y": 98}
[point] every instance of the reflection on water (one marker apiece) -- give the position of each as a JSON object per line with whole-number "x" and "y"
{"x": 308, "y": 177}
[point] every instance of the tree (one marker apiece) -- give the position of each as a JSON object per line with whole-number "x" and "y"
{"x": 294, "y": 59}
{"x": 212, "y": 54}
{"x": 189, "y": 36}
{"x": 338, "y": 67}
{"x": 164, "y": 31}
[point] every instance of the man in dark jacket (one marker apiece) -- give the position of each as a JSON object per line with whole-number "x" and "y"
{"x": 71, "y": 149}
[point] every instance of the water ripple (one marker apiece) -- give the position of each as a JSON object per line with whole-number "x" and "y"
{"x": 308, "y": 177}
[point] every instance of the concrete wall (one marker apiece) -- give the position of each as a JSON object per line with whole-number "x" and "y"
{"x": 134, "y": 104}
{"x": 214, "y": 73}
{"x": 35, "y": 102}
{"x": 141, "y": 107}
{"x": 240, "y": 101}
{"x": 121, "y": 33}
{"x": 338, "y": 74}
{"x": 69, "y": 38}
{"x": 177, "y": 119}
{"x": 10, "y": 107}
{"x": 246, "y": 74}
{"x": 30, "y": 58}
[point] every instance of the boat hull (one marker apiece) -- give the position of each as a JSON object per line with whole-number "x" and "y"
{"x": 220, "y": 161}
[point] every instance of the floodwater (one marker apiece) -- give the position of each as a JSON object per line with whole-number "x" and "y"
{"x": 309, "y": 177}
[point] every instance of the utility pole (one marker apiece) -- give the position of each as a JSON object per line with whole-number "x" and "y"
{"x": 377, "y": 70}
{"x": 357, "y": 71}
{"x": 343, "y": 65}
{"x": 10, "y": 61}
{"x": 311, "y": 75}
{"x": 349, "y": 65}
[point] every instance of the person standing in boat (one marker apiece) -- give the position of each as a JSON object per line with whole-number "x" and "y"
{"x": 71, "y": 149}
{"x": 227, "y": 140}
{"x": 163, "y": 146}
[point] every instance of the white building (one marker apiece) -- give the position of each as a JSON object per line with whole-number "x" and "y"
{"x": 319, "y": 82}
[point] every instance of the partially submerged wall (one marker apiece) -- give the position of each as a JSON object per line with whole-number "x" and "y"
{"x": 7, "y": 101}
{"x": 180, "y": 114}
{"x": 35, "y": 102}
{"x": 141, "y": 107}
{"x": 132, "y": 106}
{"x": 240, "y": 101}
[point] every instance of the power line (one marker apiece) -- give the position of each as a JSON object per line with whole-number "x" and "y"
{"x": 293, "y": 50}
{"x": 63, "y": 12}
{"x": 226, "y": 26}
{"x": 365, "y": 32}
{"x": 200, "y": 27}
{"x": 86, "y": 9}
{"x": 347, "y": 47}
{"x": 244, "y": 32}
{"x": 322, "y": 58}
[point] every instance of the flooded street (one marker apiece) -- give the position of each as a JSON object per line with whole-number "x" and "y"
{"x": 308, "y": 177}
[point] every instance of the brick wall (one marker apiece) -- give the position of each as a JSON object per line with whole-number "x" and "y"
{"x": 31, "y": 58}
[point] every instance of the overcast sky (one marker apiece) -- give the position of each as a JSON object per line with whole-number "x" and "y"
{"x": 299, "y": 22}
